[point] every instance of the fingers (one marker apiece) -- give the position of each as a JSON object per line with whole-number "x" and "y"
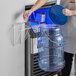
{"x": 25, "y": 15}
{"x": 67, "y": 12}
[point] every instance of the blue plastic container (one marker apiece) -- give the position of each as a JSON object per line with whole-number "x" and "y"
{"x": 57, "y": 16}
{"x": 50, "y": 48}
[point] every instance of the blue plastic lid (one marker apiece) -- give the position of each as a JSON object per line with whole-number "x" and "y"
{"x": 57, "y": 16}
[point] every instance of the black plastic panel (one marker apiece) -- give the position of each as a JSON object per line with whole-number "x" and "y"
{"x": 36, "y": 71}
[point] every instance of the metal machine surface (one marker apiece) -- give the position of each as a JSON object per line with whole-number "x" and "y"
{"x": 31, "y": 52}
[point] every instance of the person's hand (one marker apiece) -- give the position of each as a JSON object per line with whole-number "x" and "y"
{"x": 26, "y": 14}
{"x": 67, "y": 12}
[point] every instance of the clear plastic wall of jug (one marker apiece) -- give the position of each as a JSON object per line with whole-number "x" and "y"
{"x": 50, "y": 48}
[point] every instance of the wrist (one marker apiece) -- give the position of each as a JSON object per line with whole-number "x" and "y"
{"x": 74, "y": 12}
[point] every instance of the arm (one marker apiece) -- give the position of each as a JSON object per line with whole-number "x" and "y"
{"x": 36, "y": 6}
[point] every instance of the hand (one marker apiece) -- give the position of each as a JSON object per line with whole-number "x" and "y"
{"x": 26, "y": 14}
{"x": 67, "y": 12}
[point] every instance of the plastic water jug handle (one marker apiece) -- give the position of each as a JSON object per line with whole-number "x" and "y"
{"x": 63, "y": 43}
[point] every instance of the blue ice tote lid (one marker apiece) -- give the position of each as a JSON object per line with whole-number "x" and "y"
{"x": 57, "y": 16}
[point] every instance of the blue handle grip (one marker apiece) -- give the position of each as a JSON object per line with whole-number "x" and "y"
{"x": 63, "y": 43}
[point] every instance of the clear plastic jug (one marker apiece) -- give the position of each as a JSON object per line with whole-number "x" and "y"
{"x": 50, "y": 48}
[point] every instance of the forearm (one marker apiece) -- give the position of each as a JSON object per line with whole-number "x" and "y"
{"x": 74, "y": 12}
{"x": 38, "y": 4}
